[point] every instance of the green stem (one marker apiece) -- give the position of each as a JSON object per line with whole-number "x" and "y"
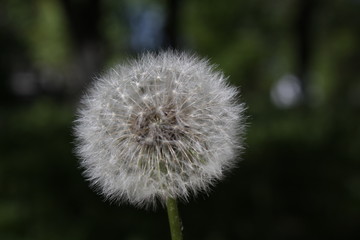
{"x": 174, "y": 219}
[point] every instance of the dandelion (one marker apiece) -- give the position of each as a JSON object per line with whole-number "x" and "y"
{"x": 164, "y": 126}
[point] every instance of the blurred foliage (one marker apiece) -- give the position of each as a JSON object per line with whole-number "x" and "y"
{"x": 300, "y": 174}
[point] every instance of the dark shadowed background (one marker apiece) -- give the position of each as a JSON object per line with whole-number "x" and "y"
{"x": 297, "y": 63}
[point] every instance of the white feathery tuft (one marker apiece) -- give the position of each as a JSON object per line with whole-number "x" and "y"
{"x": 164, "y": 126}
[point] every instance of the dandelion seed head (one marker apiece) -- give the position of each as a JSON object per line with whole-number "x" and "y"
{"x": 164, "y": 125}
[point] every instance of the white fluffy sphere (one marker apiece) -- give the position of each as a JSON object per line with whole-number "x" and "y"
{"x": 164, "y": 126}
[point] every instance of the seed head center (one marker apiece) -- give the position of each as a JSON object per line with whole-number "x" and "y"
{"x": 155, "y": 126}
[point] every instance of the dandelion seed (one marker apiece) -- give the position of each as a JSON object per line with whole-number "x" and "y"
{"x": 170, "y": 130}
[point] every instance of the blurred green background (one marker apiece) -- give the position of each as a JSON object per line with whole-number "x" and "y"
{"x": 297, "y": 63}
